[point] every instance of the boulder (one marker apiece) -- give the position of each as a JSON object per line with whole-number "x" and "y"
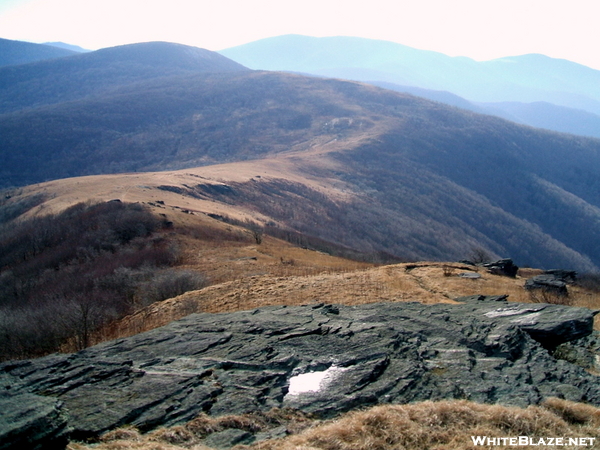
{"x": 485, "y": 351}
{"x": 554, "y": 281}
{"x": 567, "y": 276}
{"x": 504, "y": 267}
{"x": 471, "y": 275}
{"x": 548, "y": 283}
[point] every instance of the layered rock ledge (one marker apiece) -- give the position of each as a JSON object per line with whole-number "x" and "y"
{"x": 485, "y": 350}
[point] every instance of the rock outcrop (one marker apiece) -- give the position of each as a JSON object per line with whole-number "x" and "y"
{"x": 485, "y": 351}
{"x": 32, "y": 422}
{"x": 553, "y": 281}
{"x": 504, "y": 267}
{"x": 547, "y": 283}
{"x": 568, "y": 276}
{"x": 550, "y": 325}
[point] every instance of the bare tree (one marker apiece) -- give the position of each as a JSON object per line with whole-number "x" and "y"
{"x": 479, "y": 255}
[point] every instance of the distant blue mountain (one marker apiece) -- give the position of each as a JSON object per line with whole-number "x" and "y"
{"x": 19, "y": 52}
{"x": 74, "y": 48}
{"x": 527, "y": 78}
{"x": 536, "y": 114}
{"x": 547, "y": 115}
{"x": 437, "y": 96}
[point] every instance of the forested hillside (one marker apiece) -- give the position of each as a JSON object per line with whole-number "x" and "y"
{"x": 367, "y": 168}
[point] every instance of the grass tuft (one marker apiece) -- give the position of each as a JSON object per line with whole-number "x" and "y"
{"x": 573, "y": 412}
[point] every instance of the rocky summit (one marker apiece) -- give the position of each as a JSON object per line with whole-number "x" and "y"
{"x": 323, "y": 359}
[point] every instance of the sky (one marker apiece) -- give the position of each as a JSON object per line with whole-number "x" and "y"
{"x": 479, "y": 29}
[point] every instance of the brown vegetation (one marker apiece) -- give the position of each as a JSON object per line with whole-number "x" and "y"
{"x": 404, "y": 165}
{"x": 550, "y": 296}
{"x": 218, "y": 250}
{"x": 443, "y": 425}
{"x": 315, "y": 277}
{"x": 65, "y": 275}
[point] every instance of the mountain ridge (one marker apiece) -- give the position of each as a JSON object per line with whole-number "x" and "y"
{"x": 75, "y": 48}
{"x": 401, "y": 174}
{"x": 524, "y": 78}
{"x": 537, "y": 114}
{"x": 19, "y": 52}
{"x": 80, "y": 75}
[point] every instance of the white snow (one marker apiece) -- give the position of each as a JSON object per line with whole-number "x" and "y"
{"x": 313, "y": 381}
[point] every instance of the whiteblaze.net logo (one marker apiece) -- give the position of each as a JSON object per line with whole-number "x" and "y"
{"x": 524, "y": 441}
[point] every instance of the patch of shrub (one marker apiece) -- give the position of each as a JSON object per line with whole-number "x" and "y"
{"x": 171, "y": 283}
{"x": 448, "y": 271}
{"x": 63, "y": 276}
{"x": 550, "y": 296}
{"x": 590, "y": 281}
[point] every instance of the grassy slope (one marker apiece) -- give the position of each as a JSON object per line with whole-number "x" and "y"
{"x": 244, "y": 274}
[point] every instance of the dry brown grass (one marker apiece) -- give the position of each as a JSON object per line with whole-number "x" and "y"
{"x": 190, "y": 435}
{"x": 294, "y": 166}
{"x": 252, "y": 276}
{"x": 245, "y": 275}
{"x": 443, "y": 425}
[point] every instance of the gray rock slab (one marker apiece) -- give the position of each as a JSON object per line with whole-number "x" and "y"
{"x": 547, "y": 282}
{"x": 32, "y": 422}
{"x": 550, "y": 325}
{"x": 241, "y": 362}
{"x": 471, "y": 275}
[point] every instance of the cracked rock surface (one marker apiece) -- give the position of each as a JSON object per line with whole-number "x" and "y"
{"x": 482, "y": 350}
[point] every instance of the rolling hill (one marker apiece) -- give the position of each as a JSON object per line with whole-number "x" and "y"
{"x": 547, "y": 115}
{"x": 355, "y": 165}
{"x": 19, "y": 52}
{"x": 94, "y": 73}
{"x": 75, "y": 48}
{"x": 536, "y": 114}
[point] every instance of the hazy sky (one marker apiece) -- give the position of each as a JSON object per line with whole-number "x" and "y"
{"x": 480, "y": 29}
